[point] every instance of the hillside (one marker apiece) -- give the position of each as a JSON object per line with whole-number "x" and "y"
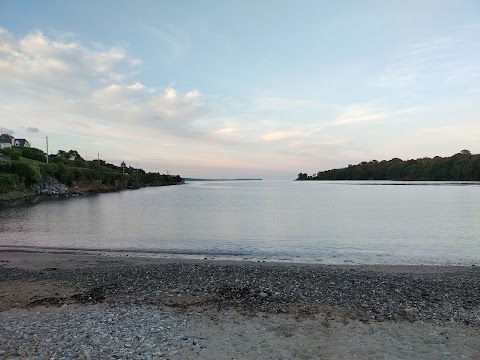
{"x": 463, "y": 166}
{"x": 26, "y": 175}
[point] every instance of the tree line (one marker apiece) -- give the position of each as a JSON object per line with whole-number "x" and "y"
{"x": 463, "y": 166}
{"x": 28, "y": 166}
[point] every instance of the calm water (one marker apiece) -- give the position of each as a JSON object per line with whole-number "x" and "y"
{"x": 330, "y": 222}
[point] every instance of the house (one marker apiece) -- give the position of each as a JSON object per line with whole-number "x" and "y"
{"x": 22, "y": 143}
{"x": 6, "y": 143}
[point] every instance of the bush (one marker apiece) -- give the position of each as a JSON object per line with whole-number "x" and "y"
{"x": 48, "y": 170}
{"x": 28, "y": 173}
{"x": 8, "y": 182}
{"x": 64, "y": 175}
{"x": 14, "y": 153}
{"x": 5, "y": 166}
{"x": 111, "y": 178}
{"x": 33, "y": 154}
{"x": 58, "y": 160}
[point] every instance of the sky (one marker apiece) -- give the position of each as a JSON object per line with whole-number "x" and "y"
{"x": 228, "y": 89}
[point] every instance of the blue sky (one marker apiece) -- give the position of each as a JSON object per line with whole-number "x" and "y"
{"x": 242, "y": 88}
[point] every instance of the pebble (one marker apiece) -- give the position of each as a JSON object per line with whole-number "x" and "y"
{"x": 129, "y": 338}
{"x": 108, "y": 314}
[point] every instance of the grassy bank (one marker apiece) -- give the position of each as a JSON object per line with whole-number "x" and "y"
{"x": 24, "y": 175}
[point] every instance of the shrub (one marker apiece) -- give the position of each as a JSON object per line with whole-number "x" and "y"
{"x": 64, "y": 175}
{"x": 48, "y": 170}
{"x": 14, "y": 153}
{"x": 8, "y": 182}
{"x": 58, "y": 160}
{"x": 28, "y": 173}
{"x": 33, "y": 154}
{"x": 5, "y": 166}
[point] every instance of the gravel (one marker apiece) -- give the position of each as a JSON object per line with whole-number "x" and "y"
{"x": 122, "y": 310}
{"x": 94, "y": 332}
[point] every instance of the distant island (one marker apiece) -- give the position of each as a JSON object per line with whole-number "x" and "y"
{"x": 463, "y": 166}
{"x": 27, "y": 173}
{"x": 196, "y": 179}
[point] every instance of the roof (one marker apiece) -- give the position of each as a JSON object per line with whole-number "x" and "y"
{"x": 21, "y": 142}
{"x": 5, "y": 141}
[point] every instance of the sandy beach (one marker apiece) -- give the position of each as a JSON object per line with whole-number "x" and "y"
{"x": 68, "y": 305}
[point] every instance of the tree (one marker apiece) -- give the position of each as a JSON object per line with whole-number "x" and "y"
{"x": 465, "y": 152}
{"x": 6, "y": 136}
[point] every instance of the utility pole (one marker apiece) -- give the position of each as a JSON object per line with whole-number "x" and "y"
{"x": 46, "y": 137}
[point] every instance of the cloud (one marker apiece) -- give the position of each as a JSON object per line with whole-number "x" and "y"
{"x": 351, "y": 115}
{"x": 4, "y": 130}
{"x": 192, "y": 95}
{"x": 32, "y": 129}
{"x": 170, "y": 94}
{"x": 359, "y": 114}
{"x": 225, "y": 131}
{"x": 37, "y": 64}
{"x": 136, "y": 62}
{"x": 136, "y": 86}
{"x": 454, "y": 57}
{"x": 282, "y": 135}
{"x": 63, "y": 83}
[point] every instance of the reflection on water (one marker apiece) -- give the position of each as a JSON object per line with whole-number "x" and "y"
{"x": 332, "y": 222}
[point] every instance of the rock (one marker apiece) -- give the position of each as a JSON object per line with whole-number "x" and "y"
{"x": 262, "y": 294}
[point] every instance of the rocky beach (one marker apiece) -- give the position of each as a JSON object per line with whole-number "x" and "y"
{"x": 67, "y": 305}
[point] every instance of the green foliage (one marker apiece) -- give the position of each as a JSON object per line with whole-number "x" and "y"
{"x": 59, "y": 160}
{"x": 48, "y": 170}
{"x": 28, "y": 167}
{"x": 33, "y": 153}
{"x": 15, "y": 153}
{"x": 8, "y": 182}
{"x": 5, "y": 166}
{"x": 460, "y": 167}
{"x": 64, "y": 174}
{"x": 71, "y": 155}
{"x": 28, "y": 173}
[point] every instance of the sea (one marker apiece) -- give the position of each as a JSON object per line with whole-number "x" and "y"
{"x": 341, "y": 222}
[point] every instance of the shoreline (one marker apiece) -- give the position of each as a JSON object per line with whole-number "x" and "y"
{"x": 146, "y": 257}
{"x": 172, "y": 308}
{"x": 58, "y": 191}
{"x": 398, "y": 287}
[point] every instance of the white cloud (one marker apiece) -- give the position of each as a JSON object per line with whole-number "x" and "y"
{"x": 66, "y": 84}
{"x": 225, "y": 131}
{"x": 282, "y": 135}
{"x": 136, "y": 86}
{"x": 136, "y": 62}
{"x": 170, "y": 94}
{"x": 359, "y": 114}
{"x": 192, "y": 95}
